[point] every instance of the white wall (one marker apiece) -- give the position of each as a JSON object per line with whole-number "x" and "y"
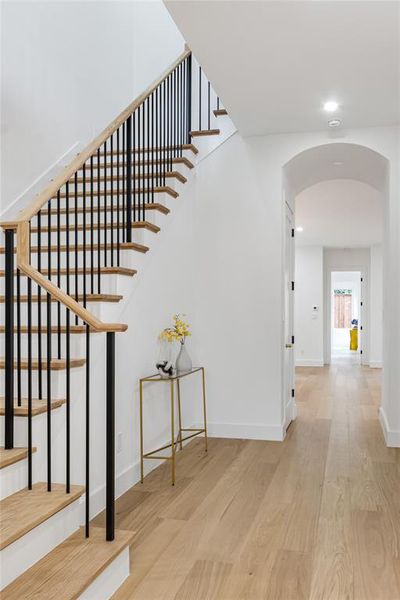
{"x": 239, "y": 232}
{"x": 376, "y": 306}
{"x": 69, "y": 68}
{"x": 309, "y": 321}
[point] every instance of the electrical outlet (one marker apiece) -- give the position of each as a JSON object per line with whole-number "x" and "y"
{"x": 119, "y": 442}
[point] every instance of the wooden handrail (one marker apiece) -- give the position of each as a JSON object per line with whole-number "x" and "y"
{"x": 21, "y": 223}
{"x": 69, "y": 302}
{"x": 91, "y": 148}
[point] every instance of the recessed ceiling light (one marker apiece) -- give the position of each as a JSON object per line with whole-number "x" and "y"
{"x": 299, "y": 229}
{"x": 331, "y": 106}
{"x": 338, "y": 163}
{"x": 334, "y": 123}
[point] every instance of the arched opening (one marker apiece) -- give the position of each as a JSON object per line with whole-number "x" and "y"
{"x": 336, "y": 196}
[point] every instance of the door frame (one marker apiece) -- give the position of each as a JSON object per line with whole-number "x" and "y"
{"x": 364, "y": 311}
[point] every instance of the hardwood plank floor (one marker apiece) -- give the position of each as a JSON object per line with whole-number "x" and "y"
{"x": 316, "y": 517}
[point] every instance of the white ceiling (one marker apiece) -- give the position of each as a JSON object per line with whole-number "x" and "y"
{"x": 274, "y": 63}
{"x": 337, "y": 160}
{"x": 339, "y": 213}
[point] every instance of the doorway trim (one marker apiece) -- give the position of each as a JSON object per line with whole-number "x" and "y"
{"x": 364, "y": 312}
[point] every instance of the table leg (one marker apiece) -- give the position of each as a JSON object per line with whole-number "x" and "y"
{"x": 204, "y": 409}
{"x": 172, "y": 434}
{"x": 141, "y": 432}
{"x": 180, "y": 414}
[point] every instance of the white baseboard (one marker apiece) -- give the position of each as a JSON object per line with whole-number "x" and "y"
{"x": 309, "y": 362}
{"x": 40, "y": 183}
{"x": 392, "y": 438}
{"x": 290, "y": 413}
{"x": 375, "y": 364}
{"x": 249, "y": 431}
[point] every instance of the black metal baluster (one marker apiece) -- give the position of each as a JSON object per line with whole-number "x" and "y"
{"x": 76, "y": 241}
{"x": 170, "y": 145}
{"x": 209, "y": 104}
{"x": 199, "y": 98}
{"x": 118, "y": 192}
{"x": 67, "y": 402}
{"x": 124, "y": 163}
{"x": 87, "y": 438}
{"x": 91, "y": 228}
{"x": 139, "y": 159}
{"x": 99, "y": 222}
{"x": 153, "y": 183}
{"x": 39, "y": 306}
{"x": 84, "y": 231}
{"x": 146, "y": 177}
{"x": 110, "y": 436}
{"x": 189, "y": 100}
{"x": 105, "y": 203}
{"x": 58, "y": 275}
{"x": 19, "y": 382}
{"x": 174, "y": 105}
{"x": 67, "y": 259}
{"x": 145, "y": 153}
{"x": 164, "y": 137}
{"x": 157, "y": 134}
{"x": 29, "y": 310}
{"x": 129, "y": 179}
{"x": 9, "y": 341}
{"x": 112, "y": 199}
{"x": 48, "y": 351}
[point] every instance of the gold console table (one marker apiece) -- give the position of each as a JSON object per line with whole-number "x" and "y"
{"x": 180, "y": 438}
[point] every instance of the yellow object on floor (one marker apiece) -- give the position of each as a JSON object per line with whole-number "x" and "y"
{"x": 353, "y": 339}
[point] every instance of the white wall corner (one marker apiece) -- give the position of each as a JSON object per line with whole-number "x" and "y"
{"x": 392, "y": 438}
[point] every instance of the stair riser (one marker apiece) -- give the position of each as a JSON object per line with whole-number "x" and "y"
{"x": 140, "y": 236}
{"x": 130, "y": 258}
{"x": 109, "y": 284}
{"x": 144, "y": 195}
{"x": 58, "y": 380}
{"x": 105, "y": 586}
{"x": 155, "y": 168}
{"x": 77, "y": 344}
{"x": 149, "y": 214}
{"x": 142, "y": 155}
{"x": 30, "y": 548}
{"x": 144, "y": 181}
{"x": 102, "y": 310}
{"x": 14, "y": 477}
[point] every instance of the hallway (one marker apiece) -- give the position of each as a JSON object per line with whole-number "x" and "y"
{"x": 315, "y": 517}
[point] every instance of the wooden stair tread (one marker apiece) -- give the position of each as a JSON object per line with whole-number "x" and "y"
{"x": 220, "y": 112}
{"x": 88, "y": 179}
{"x": 57, "y": 364}
{"x": 10, "y": 457}
{"x": 135, "y": 225}
{"x": 190, "y": 147}
{"x": 203, "y": 132}
{"x": 182, "y": 160}
{"x": 23, "y": 511}
{"x": 70, "y": 568}
{"x": 38, "y": 406}
{"x": 150, "y": 206}
{"x": 81, "y": 247}
{"x": 79, "y": 298}
{"x": 119, "y": 192}
{"x": 103, "y": 271}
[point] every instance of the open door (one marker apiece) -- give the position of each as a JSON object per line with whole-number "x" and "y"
{"x": 288, "y": 325}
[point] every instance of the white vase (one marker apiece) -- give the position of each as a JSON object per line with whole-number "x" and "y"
{"x": 183, "y": 361}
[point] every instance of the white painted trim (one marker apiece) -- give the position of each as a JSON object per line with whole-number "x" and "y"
{"x": 249, "y": 431}
{"x": 109, "y": 580}
{"x": 392, "y": 438}
{"x": 309, "y": 362}
{"x": 290, "y": 413}
{"x": 375, "y": 364}
{"x": 40, "y": 183}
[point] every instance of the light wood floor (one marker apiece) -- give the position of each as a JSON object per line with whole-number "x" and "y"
{"x": 314, "y": 517}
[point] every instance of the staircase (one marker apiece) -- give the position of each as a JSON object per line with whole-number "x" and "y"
{"x": 61, "y": 256}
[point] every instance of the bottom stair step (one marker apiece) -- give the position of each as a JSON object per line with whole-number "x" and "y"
{"x": 23, "y": 511}
{"x": 71, "y": 568}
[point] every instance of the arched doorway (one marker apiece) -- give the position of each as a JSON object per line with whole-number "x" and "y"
{"x": 310, "y": 167}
